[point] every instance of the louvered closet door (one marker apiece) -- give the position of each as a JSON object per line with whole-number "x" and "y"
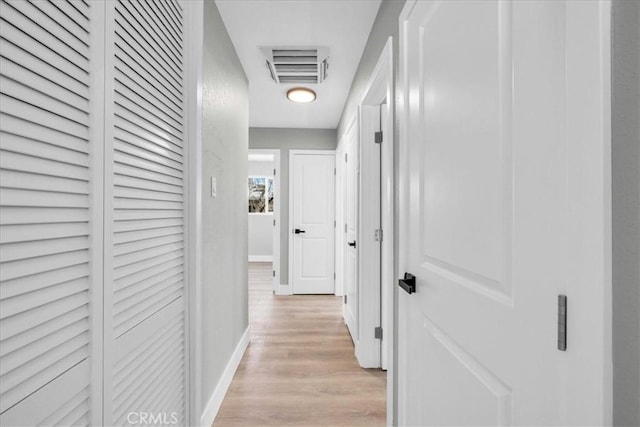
{"x": 144, "y": 311}
{"x": 46, "y": 212}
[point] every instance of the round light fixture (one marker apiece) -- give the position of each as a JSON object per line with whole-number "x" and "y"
{"x": 301, "y": 95}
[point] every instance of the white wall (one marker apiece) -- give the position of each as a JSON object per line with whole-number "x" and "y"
{"x": 260, "y": 225}
{"x": 225, "y": 125}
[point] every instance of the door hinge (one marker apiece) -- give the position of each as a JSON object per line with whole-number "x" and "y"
{"x": 334, "y": 276}
{"x": 378, "y": 332}
{"x": 345, "y": 157}
{"x": 378, "y": 235}
{"x": 345, "y": 227}
{"x": 274, "y": 172}
{"x": 274, "y": 273}
{"x": 345, "y": 299}
{"x": 378, "y": 137}
{"x": 562, "y": 322}
{"x": 274, "y": 222}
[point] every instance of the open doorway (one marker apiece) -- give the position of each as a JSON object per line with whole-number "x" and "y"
{"x": 263, "y": 208}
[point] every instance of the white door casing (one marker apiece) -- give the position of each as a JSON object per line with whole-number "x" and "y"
{"x": 340, "y": 243}
{"x": 369, "y": 244}
{"x": 504, "y": 190}
{"x": 351, "y": 289}
{"x": 277, "y": 288}
{"x": 312, "y": 213}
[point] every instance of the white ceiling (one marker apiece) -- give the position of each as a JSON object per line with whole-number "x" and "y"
{"x": 342, "y": 25}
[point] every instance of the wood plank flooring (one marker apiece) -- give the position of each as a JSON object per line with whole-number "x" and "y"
{"x": 299, "y": 368}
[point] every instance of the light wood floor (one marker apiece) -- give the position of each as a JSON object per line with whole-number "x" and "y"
{"x": 299, "y": 369}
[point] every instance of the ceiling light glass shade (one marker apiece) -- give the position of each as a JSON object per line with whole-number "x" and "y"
{"x": 301, "y": 95}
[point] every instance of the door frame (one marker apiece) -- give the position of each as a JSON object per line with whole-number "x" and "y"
{"x": 293, "y": 153}
{"x": 276, "y": 213}
{"x": 376, "y": 165}
{"x": 194, "y": 41}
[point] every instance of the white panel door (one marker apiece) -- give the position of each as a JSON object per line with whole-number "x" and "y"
{"x": 312, "y": 223}
{"x": 144, "y": 222}
{"x": 504, "y": 199}
{"x": 47, "y": 238}
{"x": 351, "y": 231}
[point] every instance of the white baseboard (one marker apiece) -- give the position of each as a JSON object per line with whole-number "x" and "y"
{"x": 283, "y": 290}
{"x": 215, "y": 401}
{"x": 260, "y": 258}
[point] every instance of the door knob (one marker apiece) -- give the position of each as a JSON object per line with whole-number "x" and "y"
{"x": 408, "y": 283}
{"x": 352, "y": 244}
{"x": 298, "y": 231}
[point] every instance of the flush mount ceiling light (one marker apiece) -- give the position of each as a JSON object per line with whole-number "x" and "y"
{"x": 301, "y": 95}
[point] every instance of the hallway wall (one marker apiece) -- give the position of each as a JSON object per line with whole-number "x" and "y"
{"x": 225, "y": 123}
{"x": 626, "y": 205}
{"x": 385, "y": 26}
{"x": 289, "y": 139}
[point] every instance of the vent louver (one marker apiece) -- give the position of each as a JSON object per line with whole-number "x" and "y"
{"x": 297, "y": 65}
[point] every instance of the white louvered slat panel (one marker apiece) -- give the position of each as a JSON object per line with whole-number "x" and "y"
{"x": 146, "y": 225}
{"x": 155, "y": 38}
{"x": 42, "y": 136}
{"x": 72, "y": 413}
{"x": 32, "y": 63}
{"x": 151, "y": 214}
{"x": 130, "y": 50}
{"x": 45, "y": 229}
{"x": 165, "y": 271}
{"x": 129, "y": 274}
{"x": 157, "y": 162}
{"x": 48, "y": 403}
{"x": 151, "y": 367}
{"x": 133, "y": 66}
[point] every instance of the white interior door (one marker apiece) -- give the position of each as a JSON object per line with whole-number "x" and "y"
{"x": 504, "y": 207}
{"x": 312, "y": 199}
{"x": 351, "y": 232}
{"x": 50, "y": 341}
{"x": 144, "y": 218}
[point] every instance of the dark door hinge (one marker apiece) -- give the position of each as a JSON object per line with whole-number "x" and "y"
{"x": 378, "y": 137}
{"x": 378, "y": 332}
{"x": 345, "y": 299}
{"x": 274, "y": 273}
{"x": 562, "y": 322}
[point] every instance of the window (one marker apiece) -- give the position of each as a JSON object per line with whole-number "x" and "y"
{"x": 260, "y": 194}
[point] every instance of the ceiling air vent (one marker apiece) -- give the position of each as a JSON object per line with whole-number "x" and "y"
{"x": 297, "y": 65}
